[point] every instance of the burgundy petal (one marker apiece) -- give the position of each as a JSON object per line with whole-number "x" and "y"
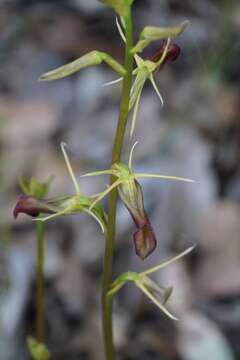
{"x": 173, "y": 53}
{"x": 30, "y": 206}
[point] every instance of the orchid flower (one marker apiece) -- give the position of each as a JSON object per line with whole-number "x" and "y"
{"x": 157, "y": 294}
{"x": 146, "y": 68}
{"x": 64, "y": 205}
{"x": 131, "y": 195}
{"x": 144, "y": 71}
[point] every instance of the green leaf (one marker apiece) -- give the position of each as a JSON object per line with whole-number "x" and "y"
{"x": 37, "y": 350}
{"x": 153, "y": 33}
{"x": 120, "y": 6}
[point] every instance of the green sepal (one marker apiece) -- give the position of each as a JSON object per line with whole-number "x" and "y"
{"x": 153, "y": 33}
{"x": 37, "y": 350}
{"x": 90, "y": 59}
{"x": 120, "y": 6}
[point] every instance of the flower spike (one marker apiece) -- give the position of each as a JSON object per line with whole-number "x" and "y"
{"x": 130, "y": 192}
{"x": 157, "y": 294}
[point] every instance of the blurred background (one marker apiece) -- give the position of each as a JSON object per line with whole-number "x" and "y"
{"x": 196, "y": 134}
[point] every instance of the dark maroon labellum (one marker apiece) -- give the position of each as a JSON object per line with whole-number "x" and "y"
{"x": 144, "y": 238}
{"x": 173, "y": 53}
{"x": 30, "y": 206}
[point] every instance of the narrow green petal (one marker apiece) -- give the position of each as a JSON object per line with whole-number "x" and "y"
{"x": 104, "y": 193}
{"x": 101, "y": 172}
{"x": 165, "y": 293}
{"x": 166, "y": 177}
{"x": 91, "y": 213}
{"x": 120, "y": 30}
{"x": 63, "y": 212}
{"x": 146, "y": 281}
{"x": 156, "y": 302}
{"x": 156, "y": 89}
{"x": 113, "y": 82}
{"x": 69, "y": 167}
{"x": 131, "y": 155}
{"x": 164, "y": 54}
{"x": 168, "y": 262}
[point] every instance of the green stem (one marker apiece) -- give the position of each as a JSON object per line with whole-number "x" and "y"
{"x": 116, "y": 156}
{"x": 40, "y": 324}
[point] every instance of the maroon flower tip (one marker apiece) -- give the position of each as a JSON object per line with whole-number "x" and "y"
{"x": 144, "y": 240}
{"x": 29, "y": 206}
{"x": 173, "y": 53}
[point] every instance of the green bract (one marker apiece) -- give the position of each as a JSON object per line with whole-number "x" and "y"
{"x": 120, "y": 6}
{"x": 90, "y": 59}
{"x": 153, "y": 33}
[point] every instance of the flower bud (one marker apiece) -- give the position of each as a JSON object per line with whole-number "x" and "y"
{"x": 144, "y": 238}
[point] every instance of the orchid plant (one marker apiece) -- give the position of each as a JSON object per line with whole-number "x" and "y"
{"x": 124, "y": 182}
